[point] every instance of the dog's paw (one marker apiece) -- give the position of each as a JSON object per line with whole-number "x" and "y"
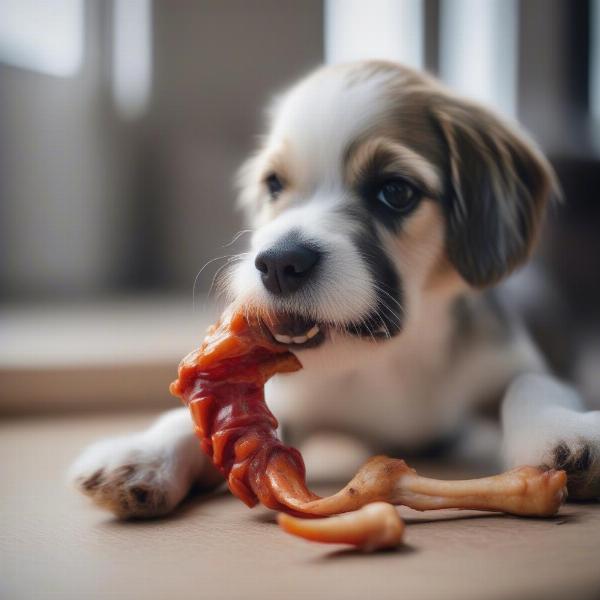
{"x": 129, "y": 477}
{"x": 580, "y": 459}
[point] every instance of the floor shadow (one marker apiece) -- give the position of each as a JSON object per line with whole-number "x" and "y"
{"x": 354, "y": 553}
{"x": 589, "y": 502}
{"x": 267, "y": 518}
{"x": 564, "y": 519}
{"x": 189, "y": 505}
{"x": 555, "y": 520}
{"x": 412, "y": 521}
{"x": 559, "y": 519}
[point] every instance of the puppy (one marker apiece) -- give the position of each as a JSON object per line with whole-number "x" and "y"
{"x": 383, "y": 209}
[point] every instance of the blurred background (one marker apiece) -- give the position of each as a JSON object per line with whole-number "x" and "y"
{"x": 122, "y": 123}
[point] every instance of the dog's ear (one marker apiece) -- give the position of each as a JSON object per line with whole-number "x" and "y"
{"x": 497, "y": 186}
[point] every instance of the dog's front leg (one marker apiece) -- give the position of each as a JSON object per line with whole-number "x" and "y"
{"x": 545, "y": 423}
{"x": 145, "y": 474}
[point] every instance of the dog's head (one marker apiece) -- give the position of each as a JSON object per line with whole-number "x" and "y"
{"x": 375, "y": 188}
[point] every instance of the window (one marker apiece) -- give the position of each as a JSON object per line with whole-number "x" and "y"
{"x": 478, "y": 53}
{"x": 388, "y": 29}
{"x": 42, "y": 35}
{"x": 132, "y": 60}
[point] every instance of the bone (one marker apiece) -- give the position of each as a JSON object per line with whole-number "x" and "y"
{"x": 373, "y": 527}
{"x": 382, "y": 481}
{"x": 524, "y": 491}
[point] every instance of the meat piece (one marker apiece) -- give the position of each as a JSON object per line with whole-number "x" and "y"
{"x": 222, "y": 383}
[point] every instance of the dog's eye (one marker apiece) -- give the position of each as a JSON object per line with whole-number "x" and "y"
{"x": 274, "y": 185}
{"x": 398, "y": 195}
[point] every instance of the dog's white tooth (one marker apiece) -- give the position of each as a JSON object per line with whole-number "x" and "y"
{"x": 299, "y": 339}
{"x": 284, "y": 339}
{"x": 312, "y": 332}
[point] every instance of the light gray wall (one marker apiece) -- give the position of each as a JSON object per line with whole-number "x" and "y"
{"x": 92, "y": 205}
{"x": 217, "y": 65}
{"x": 59, "y": 188}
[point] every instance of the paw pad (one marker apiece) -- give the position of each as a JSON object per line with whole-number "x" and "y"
{"x": 129, "y": 490}
{"x": 578, "y": 462}
{"x": 91, "y": 483}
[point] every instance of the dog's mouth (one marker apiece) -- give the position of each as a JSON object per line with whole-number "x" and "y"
{"x": 296, "y": 331}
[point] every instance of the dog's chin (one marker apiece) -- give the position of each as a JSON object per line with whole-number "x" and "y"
{"x": 301, "y": 333}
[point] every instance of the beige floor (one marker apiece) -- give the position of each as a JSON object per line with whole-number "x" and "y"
{"x": 55, "y": 545}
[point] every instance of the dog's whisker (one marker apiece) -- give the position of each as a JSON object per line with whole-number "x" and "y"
{"x": 195, "y": 284}
{"x": 216, "y": 276}
{"x": 391, "y": 314}
{"x": 389, "y": 295}
{"x": 365, "y": 324}
{"x": 237, "y": 236}
{"x": 388, "y": 315}
{"x": 221, "y": 279}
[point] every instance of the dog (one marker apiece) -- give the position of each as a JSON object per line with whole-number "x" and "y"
{"x": 384, "y": 208}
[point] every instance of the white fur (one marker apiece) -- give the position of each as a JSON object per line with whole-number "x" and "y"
{"x": 146, "y": 473}
{"x": 320, "y": 126}
{"x": 540, "y": 411}
{"x": 310, "y": 115}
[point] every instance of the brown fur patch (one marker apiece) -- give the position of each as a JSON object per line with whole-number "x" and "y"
{"x": 382, "y": 156}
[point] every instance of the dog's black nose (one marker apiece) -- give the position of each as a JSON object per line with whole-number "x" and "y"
{"x": 286, "y": 266}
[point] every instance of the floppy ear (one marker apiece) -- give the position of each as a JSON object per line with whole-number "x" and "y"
{"x": 498, "y": 184}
